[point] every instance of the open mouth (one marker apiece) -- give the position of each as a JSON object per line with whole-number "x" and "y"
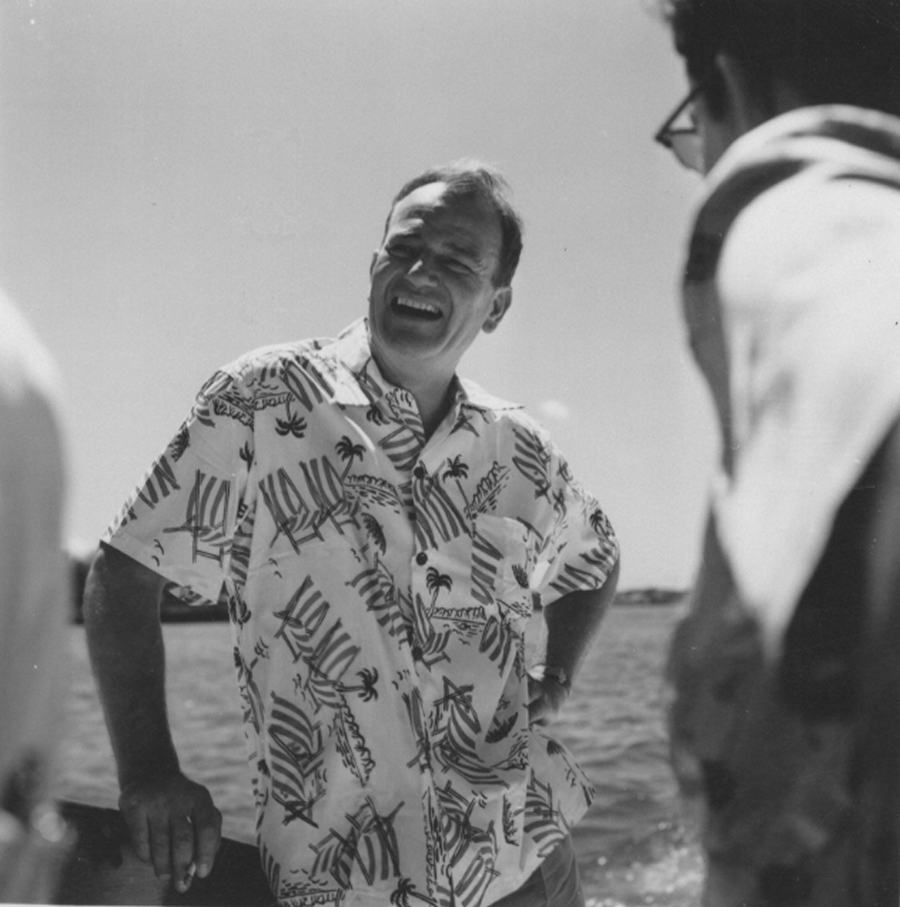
{"x": 415, "y": 308}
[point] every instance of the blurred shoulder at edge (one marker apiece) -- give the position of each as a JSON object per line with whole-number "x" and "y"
{"x": 34, "y": 609}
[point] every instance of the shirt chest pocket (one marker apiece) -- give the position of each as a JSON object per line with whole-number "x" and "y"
{"x": 501, "y": 563}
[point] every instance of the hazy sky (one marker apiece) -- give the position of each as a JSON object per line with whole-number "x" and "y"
{"x": 184, "y": 180}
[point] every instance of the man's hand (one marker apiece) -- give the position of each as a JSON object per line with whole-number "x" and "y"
{"x": 173, "y": 824}
{"x": 545, "y": 697}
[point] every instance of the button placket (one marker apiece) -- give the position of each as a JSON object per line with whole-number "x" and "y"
{"x": 420, "y": 559}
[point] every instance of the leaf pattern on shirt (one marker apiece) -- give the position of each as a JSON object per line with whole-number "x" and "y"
{"x": 532, "y": 460}
{"x": 488, "y": 491}
{"x": 438, "y": 519}
{"x": 306, "y": 384}
{"x": 351, "y": 744}
{"x": 465, "y": 844}
{"x": 369, "y": 845}
{"x": 498, "y": 640}
{"x": 375, "y": 586}
{"x": 298, "y": 759}
{"x": 375, "y": 532}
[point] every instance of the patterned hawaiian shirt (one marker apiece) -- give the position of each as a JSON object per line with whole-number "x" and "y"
{"x": 379, "y": 587}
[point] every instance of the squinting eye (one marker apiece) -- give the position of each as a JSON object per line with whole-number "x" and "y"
{"x": 456, "y": 265}
{"x": 400, "y": 250}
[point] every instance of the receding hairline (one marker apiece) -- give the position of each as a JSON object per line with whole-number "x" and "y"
{"x": 471, "y": 178}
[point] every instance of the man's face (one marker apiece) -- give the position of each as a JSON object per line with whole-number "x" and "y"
{"x": 432, "y": 285}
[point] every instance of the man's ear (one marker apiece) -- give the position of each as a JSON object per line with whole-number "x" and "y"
{"x": 745, "y": 107}
{"x": 499, "y": 306}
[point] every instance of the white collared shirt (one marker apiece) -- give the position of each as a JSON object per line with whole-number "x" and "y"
{"x": 379, "y": 588}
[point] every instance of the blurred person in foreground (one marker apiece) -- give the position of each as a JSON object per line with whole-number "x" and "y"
{"x": 34, "y": 613}
{"x": 786, "y": 719}
{"x": 381, "y": 530}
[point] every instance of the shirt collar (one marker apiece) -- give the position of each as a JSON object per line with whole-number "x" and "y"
{"x": 357, "y": 381}
{"x": 469, "y": 394}
{"x": 839, "y": 135}
{"x": 355, "y": 378}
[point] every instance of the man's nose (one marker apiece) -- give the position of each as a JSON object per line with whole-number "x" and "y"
{"x": 422, "y": 270}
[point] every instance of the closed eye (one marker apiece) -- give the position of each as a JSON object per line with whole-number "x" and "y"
{"x": 401, "y": 250}
{"x": 456, "y": 264}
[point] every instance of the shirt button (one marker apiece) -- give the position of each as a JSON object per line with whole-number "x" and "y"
{"x": 419, "y": 472}
{"x": 421, "y": 558}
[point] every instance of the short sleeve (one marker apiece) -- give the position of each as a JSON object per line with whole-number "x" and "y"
{"x": 182, "y": 519}
{"x": 581, "y": 548}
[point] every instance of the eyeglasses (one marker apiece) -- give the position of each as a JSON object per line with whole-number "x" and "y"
{"x": 683, "y": 141}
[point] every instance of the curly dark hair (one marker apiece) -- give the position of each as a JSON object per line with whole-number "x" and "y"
{"x": 830, "y": 51}
{"x": 474, "y": 179}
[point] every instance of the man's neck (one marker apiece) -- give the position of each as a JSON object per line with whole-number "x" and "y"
{"x": 434, "y": 403}
{"x": 433, "y": 395}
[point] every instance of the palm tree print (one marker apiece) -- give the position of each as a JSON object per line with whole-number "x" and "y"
{"x": 293, "y": 425}
{"x": 374, "y": 415}
{"x": 348, "y": 452}
{"x": 365, "y": 688}
{"x": 435, "y": 581}
{"x": 405, "y": 890}
{"x": 456, "y": 470}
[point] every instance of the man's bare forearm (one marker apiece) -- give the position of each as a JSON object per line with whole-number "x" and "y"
{"x": 572, "y": 622}
{"x": 121, "y": 616}
{"x": 172, "y": 820}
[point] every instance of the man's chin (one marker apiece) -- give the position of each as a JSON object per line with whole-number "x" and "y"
{"x": 415, "y": 360}
{"x": 412, "y": 339}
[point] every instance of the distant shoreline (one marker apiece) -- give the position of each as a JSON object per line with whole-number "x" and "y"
{"x": 651, "y": 595}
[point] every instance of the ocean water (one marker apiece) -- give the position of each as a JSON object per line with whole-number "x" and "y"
{"x": 633, "y": 845}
